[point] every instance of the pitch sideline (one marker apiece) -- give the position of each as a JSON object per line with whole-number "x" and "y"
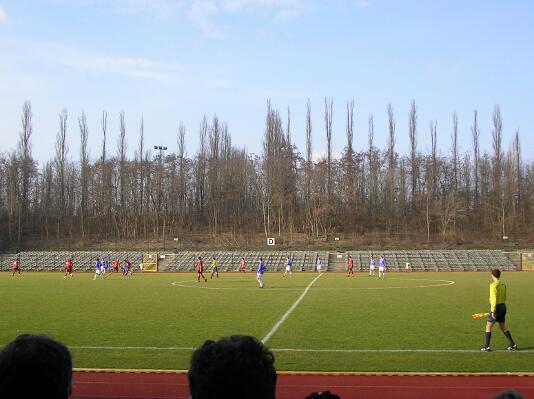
{"x": 182, "y": 349}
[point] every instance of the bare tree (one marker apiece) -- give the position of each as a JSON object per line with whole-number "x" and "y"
{"x": 200, "y": 172}
{"x": 309, "y": 168}
{"x": 61, "y": 164}
{"x": 497, "y": 202}
{"x": 328, "y": 112}
{"x": 454, "y": 151}
{"x": 26, "y": 169}
{"x": 517, "y": 162}
{"x": 221, "y": 189}
{"x": 373, "y": 171}
{"x": 349, "y": 192}
{"x": 390, "y": 184}
{"x": 84, "y": 171}
{"x": 182, "y": 172}
{"x": 412, "y": 128}
{"x": 476, "y": 157}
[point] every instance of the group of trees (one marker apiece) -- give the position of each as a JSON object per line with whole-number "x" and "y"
{"x": 224, "y": 189}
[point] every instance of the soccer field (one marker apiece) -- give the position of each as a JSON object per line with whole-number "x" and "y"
{"x": 417, "y": 322}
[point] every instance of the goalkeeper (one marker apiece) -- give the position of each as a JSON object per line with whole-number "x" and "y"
{"x": 497, "y": 311}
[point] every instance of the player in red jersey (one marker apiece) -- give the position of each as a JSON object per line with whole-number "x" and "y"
{"x": 116, "y": 265}
{"x": 68, "y": 268}
{"x": 243, "y": 265}
{"x": 350, "y": 267}
{"x": 16, "y": 266}
{"x": 200, "y": 270}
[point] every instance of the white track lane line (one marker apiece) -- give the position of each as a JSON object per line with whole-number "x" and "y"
{"x": 289, "y": 311}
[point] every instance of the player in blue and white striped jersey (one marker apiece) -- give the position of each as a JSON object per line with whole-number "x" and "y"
{"x": 261, "y": 272}
{"x": 382, "y": 267}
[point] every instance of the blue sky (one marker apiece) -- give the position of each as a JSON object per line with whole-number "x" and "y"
{"x": 178, "y": 60}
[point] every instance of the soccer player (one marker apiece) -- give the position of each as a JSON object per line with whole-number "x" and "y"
{"x": 243, "y": 265}
{"x": 261, "y": 272}
{"x": 127, "y": 267}
{"x": 289, "y": 263}
{"x": 16, "y": 266}
{"x": 319, "y": 265}
{"x": 116, "y": 265}
{"x": 372, "y": 266}
{"x": 98, "y": 267}
{"x": 497, "y": 311}
{"x": 350, "y": 267}
{"x": 104, "y": 268}
{"x": 68, "y": 268}
{"x": 214, "y": 268}
{"x": 200, "y": 270}
{"x": 382, "y": 267}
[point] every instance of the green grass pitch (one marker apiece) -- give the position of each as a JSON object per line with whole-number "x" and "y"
{"x": 412, "y": 322}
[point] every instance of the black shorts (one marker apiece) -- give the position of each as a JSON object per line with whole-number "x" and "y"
{"x": 500, "y": 314}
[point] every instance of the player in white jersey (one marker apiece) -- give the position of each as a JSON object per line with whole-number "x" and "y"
{"x": 372, "y": 266}
{"x": 319, "y": 265}
{"x": 289, "y": 263}
{"x": 382, "y": 267}
{"x": 98, "y": 266}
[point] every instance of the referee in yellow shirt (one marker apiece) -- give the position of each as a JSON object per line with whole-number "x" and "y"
{"x": 497, "y": 311}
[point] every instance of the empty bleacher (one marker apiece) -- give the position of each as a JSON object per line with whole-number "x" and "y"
{"x": 437, "y": 260}
{"x": 55, "y": 260}
{"x": 186, "y": 261}
{"x": 303, "y": 261}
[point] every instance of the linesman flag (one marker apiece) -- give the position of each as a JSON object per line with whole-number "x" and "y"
{"x": 478, "y": 316}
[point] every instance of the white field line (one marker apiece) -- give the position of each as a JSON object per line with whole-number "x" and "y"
{"x": 289, "y": 311}
{"x": 296, "y": 350}
{"x": 441, "y": 283}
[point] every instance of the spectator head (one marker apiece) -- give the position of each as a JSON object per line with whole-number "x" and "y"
{"x": 510, "y": 394}
{"x": 261, "y": 259}
{"x": 237, "y": 367}
{"x": 35, "y": 366}
{"x": 496, "y": 273}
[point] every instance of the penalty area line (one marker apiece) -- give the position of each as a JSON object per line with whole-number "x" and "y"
{"x": 289, "y": 311}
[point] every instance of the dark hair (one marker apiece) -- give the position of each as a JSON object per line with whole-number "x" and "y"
{"x": 235, "y": 367}
{"x": 510, "y": 394}
{"x": 322, "y": 395}
{"x": 35, "y": 366}
{"x": 496, "y": 273}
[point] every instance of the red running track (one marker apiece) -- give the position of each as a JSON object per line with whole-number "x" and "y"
{"x": 172, "y": 385}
